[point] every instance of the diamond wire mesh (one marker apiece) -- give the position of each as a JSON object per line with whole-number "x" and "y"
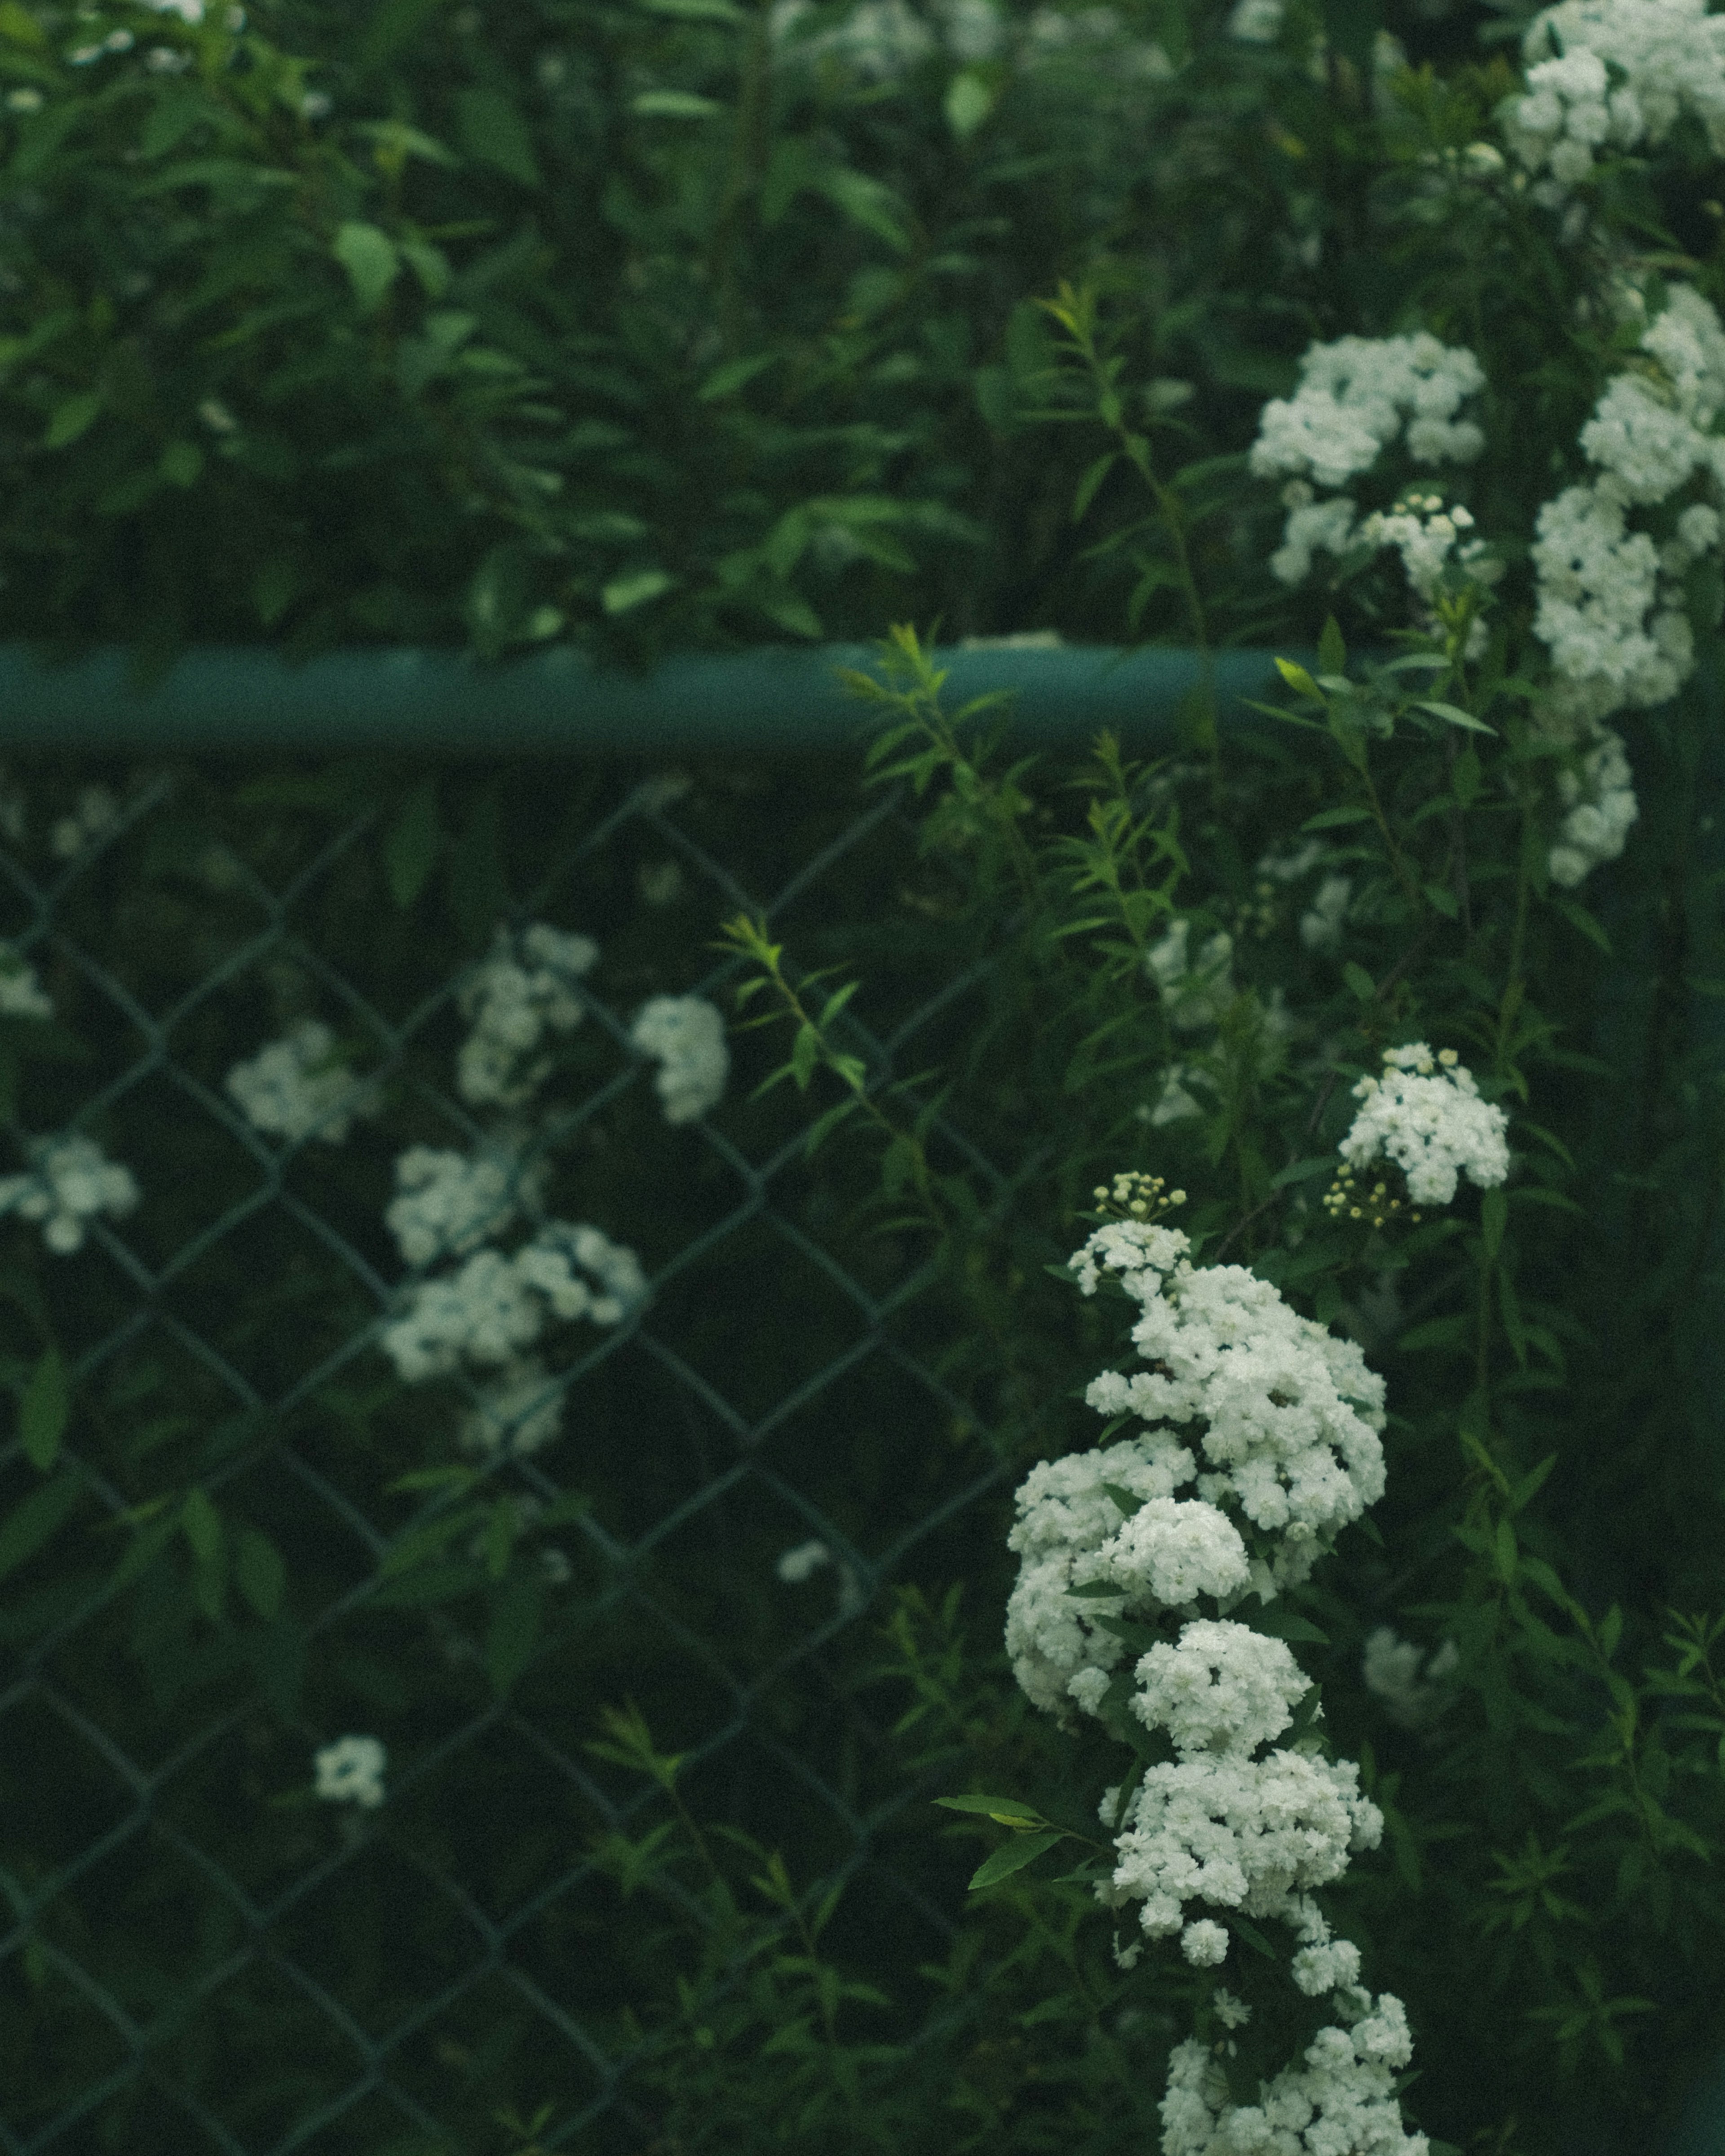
{"x": 198, "y": 1954}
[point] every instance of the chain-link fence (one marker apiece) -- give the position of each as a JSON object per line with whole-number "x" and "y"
{"x": 255, "y": 1537}
{"x": 216, "y": 1572}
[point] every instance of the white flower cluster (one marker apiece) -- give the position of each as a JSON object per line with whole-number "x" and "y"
{"x": 495, "y": 1306}
{"x": 1277, "y": 1421}
{"x": 97, "y": 814}
{"x": 687, "y": 1035}
{"x": 524, "y": 987}
{"x": 1612, "y": 73}
{"x": 1610, "y": 599}
{"x": 1359, "y": 397}
{"x": 1288, "y": 1414}
{"x": 301, "y": 1086}
{"x": 882, "y": 40}
{"x": 1197, "y": 988}
{"x": 1391, "y": 1673}
{"x": 69, "y": 1182}
{"x": 1321, "y": 923}
{"x": 1232, "y": 1832}
{"x": 449, "y": 1202}
{"x": 1274, "y": 1420}
{"x": 351, "y": 1771}
{"x": 21, "y": 995}
{"x": 1341, "y": 2101}
{"x": 1355, "y": 399}
{"x": 1428, "y": 1117}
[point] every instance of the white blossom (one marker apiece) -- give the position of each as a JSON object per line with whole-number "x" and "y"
{"x": 450, "y": 1202}
{"x": 523, "y": 988}
{"x": 802, "y": 1562}
{"x": 21, "y": 995}
{"x": 1321, "y": 923}
{"x": 1196, "y": 991}
{"x": 1290, "y": 1413}
{"x": 1391, "y": 1672}
{"x": 614, "y": 1283}
{"x": 520, "y": 1413}
{"x": 351, "y": 1771}
{"x": 1426, "y": 1114}
{"x": 97, "y": 814}
{"x": 1341, "y": 2101}
{"x": 1610, "y": 75}
{"x": 1205, "y": 1943}
{"x": 1221, "y": 1687}
{"x": 687, "y": 1035}
{"x": 68, "y": 1182}
{"x": 1231, "y": 1832}
{"x": 301, "y": 1087}
{"x": 1359, "y": 396}
{"x": 1599, "y": 804}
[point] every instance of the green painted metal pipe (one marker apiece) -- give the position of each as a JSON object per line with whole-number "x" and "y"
{"x": 241, "y": 699}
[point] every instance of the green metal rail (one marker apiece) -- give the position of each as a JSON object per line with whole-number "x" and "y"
{"x": 243, "y": 701}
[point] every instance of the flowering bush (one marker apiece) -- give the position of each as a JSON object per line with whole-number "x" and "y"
{"x": 1363, "y": 1667}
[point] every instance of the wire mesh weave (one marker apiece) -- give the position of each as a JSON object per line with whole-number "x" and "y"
{"x": 198, "y": 1953}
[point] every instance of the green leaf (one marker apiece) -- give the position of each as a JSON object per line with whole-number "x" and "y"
{"x": 1578, "y": 916}
{"x": 27, "y": 1527}
{"x": 1091, "y": 480}
{"x": 18, "y": 26}
{"x": 490, "y": 128}
{"x": 1303, "y": 1171}
{"x": 411, "y": 849}
{"x": 1022, "y": 1850}
{"x": 1008, "y": 1811}
{"x": 869, "y": 203}
{"x": 635, "y": 589}
{"x": 202, "y": 1524}
{"x": 969, "y": 100}
{"x": 1452, "y": 712}
{"x": 72, "y": 417}
{"x": 1435, "y": 1332}
{"x": 1504, "y": 1551}
{"x": 727, "y": 380}
{"x": 1332, "y": 651}
{"x": 181, "y": 464}
{"x": 673, "y": 105}
{"x": 1299, "y": 680}
{"x": 1277, "y": 1623}
{"x": 696, "y": 10}
{"x": 805, "y": 1054}
{"x": 44, "y": 1410}
{"x": 514, "y": 1631}
{"x": 258, "y": 1569}
{"x": 393, "y": 24}
{"x": 1327, "y": 819}
{"x": 370, "y": 258}
{"x": 1360, "y": 982}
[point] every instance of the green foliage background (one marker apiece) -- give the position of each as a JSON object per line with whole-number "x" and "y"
{"x": 602, "y": 323}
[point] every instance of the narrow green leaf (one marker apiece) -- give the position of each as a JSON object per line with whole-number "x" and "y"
{"x": 1299, "y": 680}
{"x": 805, "y": 1054}
{"x": 624, "y": 593}
{"x": 1456, "y": 716}
{"x": 1360, "y": 982}
{"x": 44, "y": 1410}
{"x": 1022, "y": 1850}
{"x": 1006, "y": 1809}
{"x": 1504, "y": 1551}
{"x": 727, "y": 380}
{"x": 673, "y": 105}
{"x": 1332, "y": 651}
{"x": 1091, "y": 480}
{"x": 969, "y": 100}
{"x": 1327, "y": 819}
{"x": 1494, "y": 1214}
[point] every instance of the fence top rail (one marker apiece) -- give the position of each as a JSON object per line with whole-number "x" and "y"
{"x": 240, "y": 700}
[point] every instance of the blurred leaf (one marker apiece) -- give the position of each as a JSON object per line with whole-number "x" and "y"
{"x": 370, "y": 258}
{"x": 44, "y": 1410}
{"x": 411, "y": 849}
{"x": 490, "y": 128}
{"x": 29, "y": 1525}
